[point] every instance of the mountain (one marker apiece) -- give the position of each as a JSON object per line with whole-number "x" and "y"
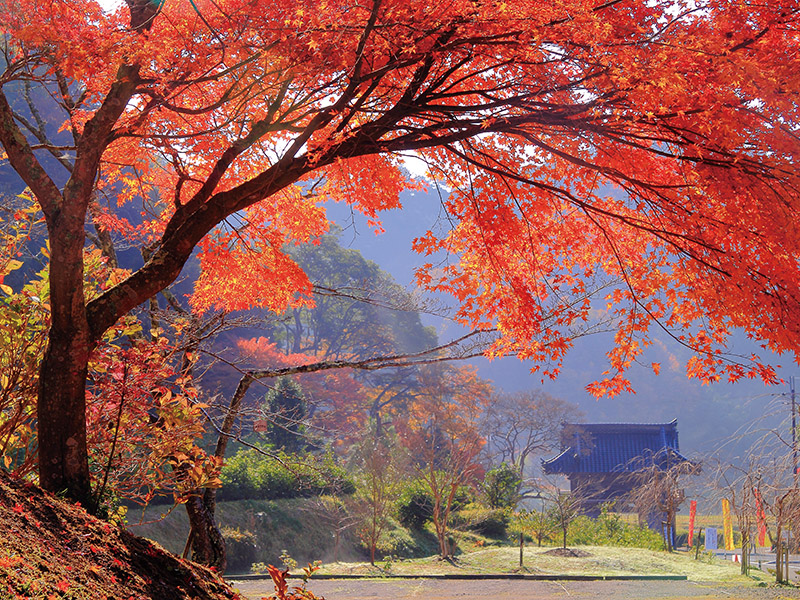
{"x": 709, "y": 416}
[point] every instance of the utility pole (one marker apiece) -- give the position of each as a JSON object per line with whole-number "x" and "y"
{"x": 794, "y": 431}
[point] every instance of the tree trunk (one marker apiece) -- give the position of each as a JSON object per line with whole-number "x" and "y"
{"x": 778, "y": 554}
{"x": 745, "y": 560}
{"x": 373, "y": 535}
{"x": 61, "y": 405}
{"x": 207, "y": 543}
{"x": 61, "y": 410}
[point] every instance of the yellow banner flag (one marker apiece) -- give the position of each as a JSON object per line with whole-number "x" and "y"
{"x": 727, "y": 523}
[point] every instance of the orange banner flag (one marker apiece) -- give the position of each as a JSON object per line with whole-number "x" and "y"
{"x": 761, "y": 517}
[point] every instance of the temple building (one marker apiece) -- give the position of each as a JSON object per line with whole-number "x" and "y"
{"x": 601, "y": 460}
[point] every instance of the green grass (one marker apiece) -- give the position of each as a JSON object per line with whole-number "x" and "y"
{"x": 603, "y": 561}
{"x": 288, "y": 524}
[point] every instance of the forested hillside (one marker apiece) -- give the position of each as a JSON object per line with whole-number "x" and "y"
{"x": 709, "y": 415}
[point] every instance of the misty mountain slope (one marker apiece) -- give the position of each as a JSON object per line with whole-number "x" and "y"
{"x": 707, "y": 414}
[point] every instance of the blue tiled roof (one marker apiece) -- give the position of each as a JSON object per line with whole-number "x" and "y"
{"x": 616, "y": 447}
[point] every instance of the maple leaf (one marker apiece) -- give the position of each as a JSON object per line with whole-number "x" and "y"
{"x": 656, "y": 367}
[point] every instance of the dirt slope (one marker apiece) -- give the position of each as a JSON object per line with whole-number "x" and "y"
{"x": 50, "y": 549}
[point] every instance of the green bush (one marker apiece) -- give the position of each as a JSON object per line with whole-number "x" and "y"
{"x": 251, "y": 475}
{"x": 242, "y": 549}
{"x": 415, "y": 506}
{"x": 397, "y": 542}
{"x": 501, "y": 486}
{"x": 489, "y": 522}
{"x": 610, "y": 530}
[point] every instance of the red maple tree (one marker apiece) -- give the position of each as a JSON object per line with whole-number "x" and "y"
{"x": 652, "y": 142}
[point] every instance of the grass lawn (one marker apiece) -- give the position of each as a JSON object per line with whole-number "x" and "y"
{"x": 602, "y": 560}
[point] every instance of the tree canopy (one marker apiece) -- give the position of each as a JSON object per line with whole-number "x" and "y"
{"x": 653, "y": 143}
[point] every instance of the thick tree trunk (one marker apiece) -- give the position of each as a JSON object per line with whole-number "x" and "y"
{"x": 63, "y": 455}
{"x": 208, "y": 545}
{"x": 63, "y": 463}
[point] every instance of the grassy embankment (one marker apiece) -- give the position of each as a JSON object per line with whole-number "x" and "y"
{"x": 298, "y": 526}
{"x": 295, "y": 526}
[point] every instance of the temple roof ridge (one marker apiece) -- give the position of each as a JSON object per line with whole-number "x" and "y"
{"x": 615, "y": 447}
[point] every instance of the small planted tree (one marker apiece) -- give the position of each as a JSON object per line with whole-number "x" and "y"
{"x": 564, "y": 508}
{"x": 540, "y": 526}
{"x": 380, "y": 466}
{"x": 536, "y": 524}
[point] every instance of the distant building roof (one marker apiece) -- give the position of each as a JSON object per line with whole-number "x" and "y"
{"x": 615, "y": 447}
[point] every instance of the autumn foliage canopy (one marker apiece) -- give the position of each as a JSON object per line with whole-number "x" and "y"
{"x": 633, "y": 158}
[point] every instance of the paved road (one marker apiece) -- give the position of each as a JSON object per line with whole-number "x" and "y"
{"x": 420, "y": 589}
{"x": 766, "y": 561}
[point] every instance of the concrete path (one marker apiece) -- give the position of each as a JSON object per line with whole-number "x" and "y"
{"x": 425, "y": 589}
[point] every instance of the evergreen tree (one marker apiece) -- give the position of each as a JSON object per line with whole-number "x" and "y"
{"x": 286, "y": 409}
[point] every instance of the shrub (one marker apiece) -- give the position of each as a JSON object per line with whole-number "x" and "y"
{"x": 535, "y": 525}
{"x": 415, "y": 506}
{"x": 501, "y": 486}
{"x": 251, "y": 475}
{"x": 400, "y": 542}
{"x": 242, "y": 549}
{"x": 490, "y": 522}
{"x": 610, "y": 530}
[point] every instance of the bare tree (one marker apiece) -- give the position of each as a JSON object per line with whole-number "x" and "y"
{"x": 761, "y": 483}
{"x": 739, "y": 485}
{"x": 660, "y": 491}
{"x": 564, "y": 508}
{"x": 380, "y": 466}
{"x": 335, "y": 515}
{"x": 767, "y": 482}
{"x": 523, "y": 424}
